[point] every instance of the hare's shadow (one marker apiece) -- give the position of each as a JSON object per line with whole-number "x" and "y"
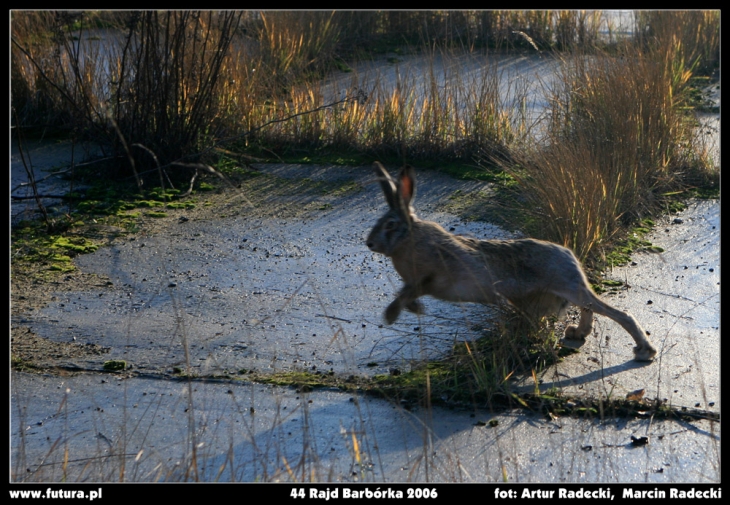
{"x": 593, "y": 376}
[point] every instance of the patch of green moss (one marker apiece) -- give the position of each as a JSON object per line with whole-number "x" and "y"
{"x": 61, "y": 263}
{"x": 621, "y": 253}
{"x": 90, "y": 206}
{"x": 163, "y": 194}
{"x": 611, "y": 283}
{"x": 181, "y": 205}
{"x": 149, "y": 203}
{"x": 415, "y": 379}
{"x": 156, "y": 215}
{"x": 598, "y": 289}
{"x": 674, "y": 206}
{"x": 62, "y": 267}
{"x": 126, "y": 206}
{"x": 114, "y": 365}
{"x": 79, "y": 245}
{"x": 132, "y": 215}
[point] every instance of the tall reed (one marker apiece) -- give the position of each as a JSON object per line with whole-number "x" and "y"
{"x": 157, "y": 83}
{"x": 619, "y": 133}
{"x": 182, "y": 82}
{"x": 446, "y": 115}
{"x": 690, "y": 37}
{"x": 618, "y": 136}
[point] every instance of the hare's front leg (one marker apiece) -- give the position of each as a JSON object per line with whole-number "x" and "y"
{"x": 407, "y": 298}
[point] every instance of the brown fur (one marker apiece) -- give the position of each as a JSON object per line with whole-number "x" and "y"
{"x": 535, "y": 276}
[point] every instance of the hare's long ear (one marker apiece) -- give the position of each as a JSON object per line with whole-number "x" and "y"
{"x": 386, "y": 182}
{"x": 406, "y": 191}
{"x": 407, "y": 184}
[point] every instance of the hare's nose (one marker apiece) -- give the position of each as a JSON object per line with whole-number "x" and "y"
{"x": 370, "y": 244}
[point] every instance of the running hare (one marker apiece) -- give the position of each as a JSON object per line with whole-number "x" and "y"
{"x": 529, "y": 274}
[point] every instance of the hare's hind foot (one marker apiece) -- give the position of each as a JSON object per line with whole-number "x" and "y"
{"x": 644, "y": 352}
{"x": 572, "y": 339}
{"x": 573, "y": 333}
{"x": 579, "y": 332}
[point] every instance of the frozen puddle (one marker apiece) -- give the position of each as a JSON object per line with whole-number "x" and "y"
{"x": 275, "y": 293}
{"x": 264, "y": 293}
{"x": 150, "y": 430}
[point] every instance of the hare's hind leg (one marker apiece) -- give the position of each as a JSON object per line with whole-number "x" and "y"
{"x": 644, "y": 350}
{"x": 590, "y": 303}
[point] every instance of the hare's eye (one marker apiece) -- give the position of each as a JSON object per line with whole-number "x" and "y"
{"x": 390, "y": 225}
